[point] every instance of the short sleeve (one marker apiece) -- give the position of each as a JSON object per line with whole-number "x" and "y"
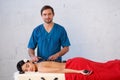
{"x": 33, "y": 40}
{"x": 64, "y": 38}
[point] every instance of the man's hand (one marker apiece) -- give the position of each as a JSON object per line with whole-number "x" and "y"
{"x": 53, "y": 57}
{"x": 34, "y": 58}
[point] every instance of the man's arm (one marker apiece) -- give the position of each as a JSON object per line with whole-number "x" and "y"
{"x": 63, "y": 51}
{"x": 60, "y": 53}
{"x": 31, "y": 53}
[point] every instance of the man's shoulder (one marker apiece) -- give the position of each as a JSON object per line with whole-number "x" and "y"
{"x": 58, "y": 26}
{"x": 38, "y": 27}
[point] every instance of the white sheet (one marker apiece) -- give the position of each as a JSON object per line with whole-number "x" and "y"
{"x": 39, "y": 76}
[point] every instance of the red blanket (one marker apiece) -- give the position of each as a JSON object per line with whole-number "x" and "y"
{"x": 101, "y": 71}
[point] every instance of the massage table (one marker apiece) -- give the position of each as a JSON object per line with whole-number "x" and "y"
{"x": 38, "y": 76}
{"x": 109, "y": 70}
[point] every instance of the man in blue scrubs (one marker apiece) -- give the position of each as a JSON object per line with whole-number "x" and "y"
{"x": 49, "y": 38}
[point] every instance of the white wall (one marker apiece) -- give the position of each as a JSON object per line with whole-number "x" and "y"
{"x": 92, "y": 25}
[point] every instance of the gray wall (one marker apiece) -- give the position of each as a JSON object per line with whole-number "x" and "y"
{"x": 92, "y": 25}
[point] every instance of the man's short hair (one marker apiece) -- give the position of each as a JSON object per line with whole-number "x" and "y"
{"x": 47, "y": 7}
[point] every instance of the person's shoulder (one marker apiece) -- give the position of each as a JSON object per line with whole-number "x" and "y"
{"x": 59, "y": 26}
{"x": 37, "y": 28}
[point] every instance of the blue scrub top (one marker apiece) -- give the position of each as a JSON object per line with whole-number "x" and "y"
{"x": 48, "y": 43}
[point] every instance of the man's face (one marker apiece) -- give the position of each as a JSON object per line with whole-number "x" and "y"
{"x": 47, "y": 16}
{"x": 28, "y": 67}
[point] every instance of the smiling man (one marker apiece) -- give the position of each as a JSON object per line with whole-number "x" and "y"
{"x": 49, "y": 38}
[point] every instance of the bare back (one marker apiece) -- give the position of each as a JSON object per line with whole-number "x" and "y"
{"x": 45, "y": 66}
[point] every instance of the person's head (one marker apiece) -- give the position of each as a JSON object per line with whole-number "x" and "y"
{"x": 26, "y": 66}
{"x": 47, "y": 13}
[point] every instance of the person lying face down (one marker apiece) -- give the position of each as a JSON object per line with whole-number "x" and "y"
{"x": 109, "y": 70}
{"x": 47, "y": 67}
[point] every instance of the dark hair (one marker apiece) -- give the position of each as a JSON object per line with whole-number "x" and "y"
{"x": 19, "y": 66}
{"x": 47, "y": 7}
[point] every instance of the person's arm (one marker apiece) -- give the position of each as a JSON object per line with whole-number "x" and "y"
{"x": 31, "y": 53}
{"x": 60, "y": 53}
{"x": 63, "y": 51}
{"x": 57, "y": 70}
{"x": 84, "y": 72}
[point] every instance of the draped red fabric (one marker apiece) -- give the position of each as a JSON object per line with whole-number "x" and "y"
{"x": 101, "y": 71}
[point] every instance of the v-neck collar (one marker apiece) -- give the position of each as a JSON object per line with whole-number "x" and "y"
{"x": 50, "y": 30}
